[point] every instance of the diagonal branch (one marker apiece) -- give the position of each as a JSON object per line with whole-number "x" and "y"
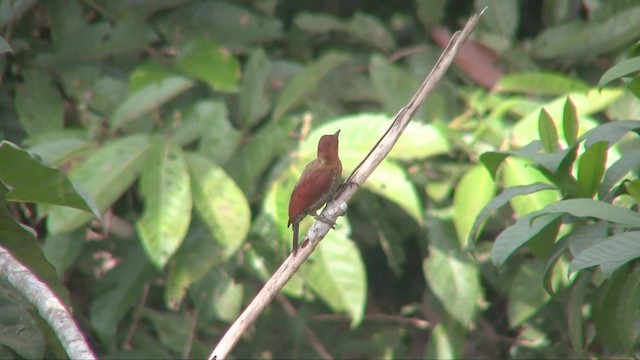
{"x": 338, "y": 206}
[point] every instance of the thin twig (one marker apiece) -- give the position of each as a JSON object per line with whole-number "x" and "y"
{"x": 413, "y": 321}
{"x": 315, "y": 342}
{"x": 136, "y": 317}
{"x": 337, "y": 207}
{"x": 193, "y": 322}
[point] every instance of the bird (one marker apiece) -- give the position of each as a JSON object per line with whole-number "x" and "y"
{"x": 317, "y": 185}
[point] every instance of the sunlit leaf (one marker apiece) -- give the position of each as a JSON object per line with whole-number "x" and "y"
{"x": 104, "y": 175}
{"x": 166, "y": 190}
{"x": 591, "y": 168}
{"x": 474, "y": 190}
{"x": 337, "y": 275}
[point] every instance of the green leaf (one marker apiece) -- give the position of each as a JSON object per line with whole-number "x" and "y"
{"x": 634, "y": 86}
{"x": 104, "y": 175}
{"x": 254, "y": 103}
{"x": 369, "y": 29}
{"x": 451, "y": 276}
{"x": 144, "y": 99}
{"x": 220, "y": 202}
{"x": 587, "y": 235}
{"x": 39, "y": 104}
{"x": 31, "y": 180}
{"x": 620, "y": 70}
{"x": 627, "y": 309}
{"x": 474, "y": 190}
{"x": 575, "y": 303}
{"x": 337, "y": 275}
{"x": 203, "y": 59}
{"x": 548, "y": 132}
{"x": 609, "y": 132}
{"x": 501, "y": 16}
{"x": 570, "y": 122}
{"x": 5, "y": 48}
{"x": 251, "y": 159}
{"x": 219, "y": 296}
{"x": 500, "y": 201}
{"x": 579, "y": 40}
{"x": 592, "y": 102}
{"x": 359, "y": 133}
{"x": 20, "y": 241}
{"x": 518, "y": 172}
{"x": 394, "y": 85}
{"x": 305, "y": 83}
{"x": 173, "y": 330}
{"x": 195, "y": 257}
{"x": 56, "y": 151}
{"x": 605, "y": 309}
{"x": 559, "y": 248}
{"x": 242, "y": 28}
{"x": 119, "y": 291}
{"x": 610, "y": 254}
{"x": 543, "y": 83}
{"x": 63, "y": 250}
{"x": 20, "y": 331}
{"x": 594, "y": 209}
{"x": 361, "y": 27}
{"x": 166, "y": 190}
{"x": 446, "y": 342}
{"x": 430, "y": 13}
{"x": 591, "y": 168}
{"x": 524, "y": 230}
{"x": 220, "y": 140}
{"x": 526, "y": 296}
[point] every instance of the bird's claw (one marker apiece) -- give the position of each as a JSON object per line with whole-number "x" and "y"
{"x": 349, "y": 183}
{"x": 323, "y": 219}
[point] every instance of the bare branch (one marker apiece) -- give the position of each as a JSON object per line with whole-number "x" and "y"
{"x": 337, "y": 207}
{"x": 49, "y": 306}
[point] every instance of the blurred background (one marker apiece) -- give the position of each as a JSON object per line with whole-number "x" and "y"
{"x": 189, "y": 122}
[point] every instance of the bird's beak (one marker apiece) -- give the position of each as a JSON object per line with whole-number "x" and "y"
{"x": 337, "y": 133}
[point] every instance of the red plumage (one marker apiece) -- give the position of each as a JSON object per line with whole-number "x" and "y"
{"x": 317, "y": 184}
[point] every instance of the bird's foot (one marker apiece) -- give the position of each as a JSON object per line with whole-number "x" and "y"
{"x": 349, "y": 183}
{"x": 324, "y": 219}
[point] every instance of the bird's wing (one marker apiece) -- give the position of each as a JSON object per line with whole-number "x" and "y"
{"x": 309, "y": 190}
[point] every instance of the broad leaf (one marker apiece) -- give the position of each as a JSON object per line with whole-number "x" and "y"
{"x": 500, "y": 201}
{"x": 104, "y": 175}
{"x": 205, "y": 60}
{"x": 570, "y": 122}
{"x": 526, "y": 297}
{"x": 622, "y": 69}
{"x": 254, "y": 103}
{"x": 31, "y": 180}
{"x": 337, "y": 275}
{"x": 159, "y": 88}
{"x": 305, "y": 83}
{"x": 610, "y": 254}
{"x": 594, "y": 209}
{"x": 39, "y": 104}
{"x": 119, "y": 291}
{"x": 591, "y": 168}
{"x": 548, "y": 132}
{"x": 518, "y": 234}
{"x": 474, "y": 190}
{"x": 166, "y": 189}
{"x": 452, "y": 277}
{"x": 541, "y": 83}
{"x": 220, "y": 202}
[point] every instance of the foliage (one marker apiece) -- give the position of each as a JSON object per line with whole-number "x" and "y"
{"x": 180, "y": 127}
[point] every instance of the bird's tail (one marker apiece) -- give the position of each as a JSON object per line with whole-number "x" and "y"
{"x": 296, "y": 230}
